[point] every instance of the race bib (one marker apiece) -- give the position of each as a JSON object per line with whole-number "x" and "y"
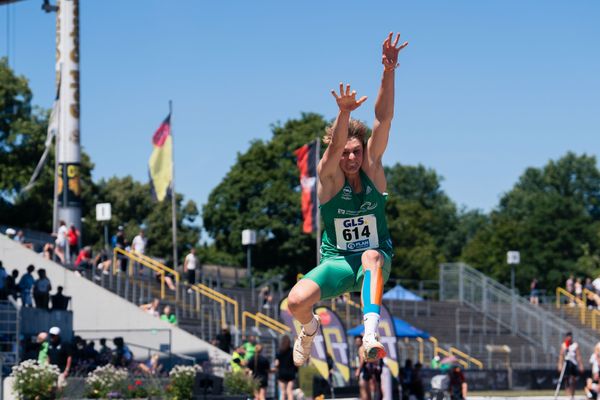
{"x": 356, "y": 233}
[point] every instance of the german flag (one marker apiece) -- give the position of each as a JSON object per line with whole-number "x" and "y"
{"x": 161, "y": 161}
{"x": 306, "y": 160}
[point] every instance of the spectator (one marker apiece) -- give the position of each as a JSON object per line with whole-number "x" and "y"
{"x": 73, "y": 236}
{"x": 3, "y": 276}
{"x": 189, "y": 267}
{"x": 59, "y": 354}
{"x": 238, "y": 359}
{"x": 534, "y": 293}
{"x": 266, "y": 296}
{"x": 48, "y": 251}
{"x": 122, "y": 356}
{"x": 260, "y": 368}
{"x": 138, "y": 245}
{"x": 406, "y": 379}
{"x": 168, "y": 316}
{"x": 103, "y": 262}
{"x": 224, "y": 340}
{"x": 286, "y": 370}
{"x": 25, "y": 285}
{"x": 10, "y": 232}
{"x": 41, "y": 290}
{"x": 418, "y": 388}
{"x": 435, "y": 362}
{"x": 21, "y": 239}
{"x": 84, "y": 259}
{"x": 152, "y": 307}
{"x": 570, "y": 284}
{"x": 60, "y": 301}
{"x": 121, "y": 243}
{"x": 42, "y": 341}
{"x": 61, "y": 242}
{"x": 151, "y": 366}
{"x": 578, "y": 289}
{"x": 105, "y": 355}
{"x": 590, "y": 293}
{"x": 458, "y": 384}
{"x": 250, "y": 347}
{"x": 12, "y": 288}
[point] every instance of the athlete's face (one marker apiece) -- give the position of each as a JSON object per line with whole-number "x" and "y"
{"x": 352, "y": 157}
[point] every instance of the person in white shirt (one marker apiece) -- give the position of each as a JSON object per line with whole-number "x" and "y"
{"x": 190, "y": 265}
{"x": 61, "y": 241}
{"x": 569, "y": 359}
{"x": 138, "y": 244}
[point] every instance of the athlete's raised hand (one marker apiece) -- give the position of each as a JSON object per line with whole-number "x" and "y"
{"x": 346, "y": 100}
{"x": 389, "y": 57}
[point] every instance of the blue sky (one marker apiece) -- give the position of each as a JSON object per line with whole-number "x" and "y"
{"x": 484, "y": 90}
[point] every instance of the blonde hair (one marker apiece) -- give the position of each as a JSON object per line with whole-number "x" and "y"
{"x": 356, "y": 129}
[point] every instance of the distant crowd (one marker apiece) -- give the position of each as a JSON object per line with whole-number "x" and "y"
{"x": 31, "y": 291}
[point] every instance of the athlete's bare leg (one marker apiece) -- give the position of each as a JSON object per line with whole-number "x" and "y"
{"x": 303, "y": 296}
{"x": 372, "y": 292}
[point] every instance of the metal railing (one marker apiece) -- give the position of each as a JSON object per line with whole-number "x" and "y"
{"x": 459, "y": 282}
{"x": 234, "y": 303}
{"x": 262, "y": 319}
{"x": 135, "y": 257}
{"x": 9, "y": 334}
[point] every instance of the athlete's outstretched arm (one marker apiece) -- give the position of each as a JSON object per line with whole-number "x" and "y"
{"x": 346, "y": 101}
{"x": 384, "y": 105}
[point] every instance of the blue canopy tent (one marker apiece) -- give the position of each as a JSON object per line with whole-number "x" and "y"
{"x": 400, "y": 293}
{"x": 403, "y": 330}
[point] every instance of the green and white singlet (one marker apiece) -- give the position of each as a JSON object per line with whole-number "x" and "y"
{"x": 354, "y": 222}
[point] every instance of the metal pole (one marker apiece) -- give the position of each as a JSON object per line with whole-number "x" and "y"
{"x": 173, "y": 196}
{"x": 249, "y": 261}
{"x": 106, "y": 236}
{"x": 317, "y": 204}
{"x": 512, "y": 277}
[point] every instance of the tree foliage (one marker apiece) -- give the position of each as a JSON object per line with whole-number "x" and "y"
{"x": 22, "y": 136}
{"x": 552, "y": 217}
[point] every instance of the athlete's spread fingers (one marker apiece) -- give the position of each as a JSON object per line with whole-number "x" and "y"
{"x": 348, "y": 89}
{"x": 341, "y": 89}
{"x": 361, "y": 100}
{"x": 334, "y": 94}
{"x": 397, "y": 40}
{"x": 403, "y": 45}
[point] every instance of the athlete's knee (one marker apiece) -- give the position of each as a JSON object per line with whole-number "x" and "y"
{"x": 297, "y": 300}
{"x": 372, "y": 259}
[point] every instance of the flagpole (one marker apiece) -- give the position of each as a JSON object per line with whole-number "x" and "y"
{"x": 318, "y": 156}
{"x": 173, "y": 199}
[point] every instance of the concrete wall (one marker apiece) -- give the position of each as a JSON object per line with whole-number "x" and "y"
{"x": 100, "y": 313}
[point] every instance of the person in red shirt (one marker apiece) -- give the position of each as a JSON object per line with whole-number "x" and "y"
{"x": 73, "y": 239}
{"x": 84, "y": 259}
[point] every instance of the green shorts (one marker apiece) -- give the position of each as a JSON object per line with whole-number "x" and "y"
{"x": 337, "y": 275}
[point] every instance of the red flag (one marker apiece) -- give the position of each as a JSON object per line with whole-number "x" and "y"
{"x": 307, "y": 164}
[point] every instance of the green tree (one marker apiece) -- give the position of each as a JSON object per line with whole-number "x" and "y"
{"x": 22, "y": 136}
{"x": 552, "y": 217}
{"x": 423, "y": 222}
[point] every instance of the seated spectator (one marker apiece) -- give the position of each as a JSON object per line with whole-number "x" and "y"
{"x": 151, "y": 366}
{"x": 105, "y": 355}
{"x": 152, "y": 307}
{"x": 48, "y": 251}
{"x": 122, "y": 356}
{"x": 60, "y": 301}
{"x": 223, "y": 340}
{"x": 20, "y": 237}
{"x": 84, "y": 259}
{"x": 103, "y": 261}
{"x": 168, "y": 280}
{"x": 168, "y": 316}
{"x": 41, "y": 290}
{"x": 590, "y": 293}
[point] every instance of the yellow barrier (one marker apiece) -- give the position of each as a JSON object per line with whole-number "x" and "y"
{"x": 134, "y": 257}
{"x": 437, "y": 349}
{"x": 421, "y": 345}
{"x": 572, "y": 300}
{"x": 236, "y": 311}
{"x": 259, "y": 320}
{"x": 467, "y": 357}
{"x": 160, "y": 265}
{"x": 215, "y": 298}
{"x": 273, "y": 321}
